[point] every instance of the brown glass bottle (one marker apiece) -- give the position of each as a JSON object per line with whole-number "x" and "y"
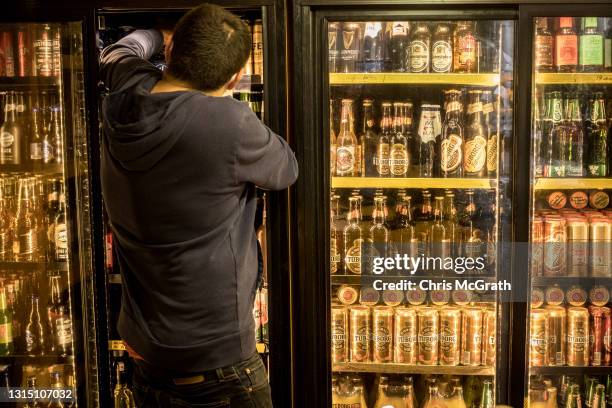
{"x": 543, "y": 46}
{"x": 11, "y": 133}
{"x": 384, "y": 142}
{"x": 440, "y": 243}
{"x": 346, "y": 142}
{"x": 442, "y": 49}
{"x": 399, "y": 154}
{"x": 490, "y": 117}
{"x": 420, "y": 42}
{"x": 475, "y": 145}
{"x": 353, "y": 238}
{"x": 566, "y": 46}
{"x": 335, "y": 239}
{"x": 464, "y": 48}
{"x": 450, "y": 146}
{"x": 472, "y": 236}
{"x": 368, "y": 140}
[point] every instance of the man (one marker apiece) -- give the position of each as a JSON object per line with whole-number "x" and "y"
{"x": 179, "y": 168}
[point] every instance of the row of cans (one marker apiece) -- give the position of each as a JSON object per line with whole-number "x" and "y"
{"x": 349, "y": 295}
{"x": 574, "y": 336}
{"x": 30, "y": 50}
{"x": 572, "y": 243}
{"x": 421, "y": 335}
{"x": 575, "y": 295}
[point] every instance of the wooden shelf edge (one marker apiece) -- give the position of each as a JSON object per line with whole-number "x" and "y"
{"x": 572, "y": 183}
{"x": 575, "y": 78}
{"x": 412, "y": 369}
{"x": 362, "y": 78}
{"x": 383, "y": 182}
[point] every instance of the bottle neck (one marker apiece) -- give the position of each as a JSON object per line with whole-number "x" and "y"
{"x": 439, "y": 209}
{"x": 398, "y": 119}
{"x": 354, "y": 214}
{"x": 368, "y": 119}
{"x": 378, "y": 215}
{"x": 387, "y": 121}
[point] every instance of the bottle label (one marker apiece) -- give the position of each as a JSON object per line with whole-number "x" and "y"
{"x": 64, "y": 330}
{"x": 345, "y": 160}
{"x": 26, "y": 244}
{"x": 591, "y": 49}
{"x": 566, "y": 50}
{"x": 6, "y": 246}
{"x": 372, "y": 29}
{"x": 332, "y": 41}
{"x": 465, "y": 52}
{"x": 399, "y": 160}
{"x": 400, "y": 28}
{"x": 6, "y": 141}
{"x": 451, "y": 153}
{"x": 382, "y": 156}
{"x": 441, "y": 56}
{"x": 429, "y": 126}
{"x": 419, "y": 56}
{"x": 543, "y": 51}
{"x": 492, "y": 153}
{"x": 353, "y": 257}
{"x": 332, "y": 154}
{"x": 36, "y": 151}
{"x": 608, "y": 53}
{"x": 61, "y": 242}
{"x": 334, "y": 255}
{"x": 6, "y": 333}
{"x": 475, "y": 154}
{"x": 348, "y": 42}
{"x": 47, "y": 151}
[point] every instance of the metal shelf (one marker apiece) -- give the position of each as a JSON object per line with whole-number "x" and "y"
{"x": 565, "y": 370}
{"x": 29, "y": 266}
{"x": 413, "y": 79}
{"x": 395, "y": 368}
{"x": 47, "y": 169}
{"x": 30, "y": 81}
{"x": 20, "y": 359}
{"x": 572, "y": 183}
{"x": 427, "y": 182}
{"x": 602, "y": 78}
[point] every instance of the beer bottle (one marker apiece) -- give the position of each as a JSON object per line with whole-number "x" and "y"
{"x": 547, "y": 141}
{"x": 384, "y": 142}
{"x": 122, "y": 394}
{"x": 608, "y": 64}
{"x": 490, "y": 118}
{"x": 6, "y": 325}
{"x": 335, "y": 243}
{"x": 472, "y": 236}
{"x": 451, "y": 143}
{"x": 456, "y": 397}
{"x": 430, "y": 130}
{"x": 60, "y": 232}
{"x": 408, "y": 132}
{"x": 400, "y": 46}
{"x": 576, "y": 138}
{"x": 333, "y": 42}
{"x": 558, "y": 136}
{"x": 63, "y": 326}
{"x": 551, "y": 401}
{"x": 543, "y": 46}
{"x": 369, "y": 140}
{"x": 538, "y": 139}
{"x": 34, "y": 333}
{"x": 55, "y": 144}
{"x": 451, "y": 222}
{"x": 597, "y": 139}
{"x": 573, "y": 399}
{"x": 378, "y": 232}
{"x": 591, "y": 47}
{"x": 53, "y": 311}
{"x": 353, "y": 238}
{"x": 6, "y": 227}
{"x": 345, "y": 154}
{"x": 486, "y": 399}
{"x": 32, "y": 385}
{"x": 11, "y": 133}
{"x": 56, "y": 383}
{"x": 350, "y": 46}
{"x": 464, "y": 48}
{"x": 373, "y": 47}
{"x": 423, "y": 219}
{"x": 566, "y": 46}
{"x": 406, "y": 237}
{"x": 599, "y": 399}
{"x": 332, "y": 140}
{"x": 399, "y": 155}
{"x": 419, "y": 48}
{"x": 590, "y": 385}
{"x": 442, "y": 49}
{"x": 440, "y": 244}
{"x": 25, "y": 246}
{"x": 36, "y": 138}
{"x": 475, "y": 146}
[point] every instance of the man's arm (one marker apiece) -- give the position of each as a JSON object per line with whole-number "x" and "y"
{"x": 120, "y": 61}
{"x": 263, "y": 157}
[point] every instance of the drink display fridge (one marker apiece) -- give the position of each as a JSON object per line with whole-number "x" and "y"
{"x": 48, "y": 344}
{"x": 263, "y": 76}
{"x": 569, "y": 325}
{"x": 410, "y": 128}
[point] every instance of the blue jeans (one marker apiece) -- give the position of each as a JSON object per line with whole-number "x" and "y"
{"x": 242, "y": 385}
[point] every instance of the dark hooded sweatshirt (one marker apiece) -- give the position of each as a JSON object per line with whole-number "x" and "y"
{"x": 179, "y": 171}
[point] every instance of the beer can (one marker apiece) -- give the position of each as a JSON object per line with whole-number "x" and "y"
{"x": 557, "y": 322}
{"x": 382, "y": 334}
{"x": 537, "y": 250}
{"x": 461, "y": 297}
{"x": 24, "y": 51}
{"x": 392, "y": 297}
{"x": 43, "y": 51}
{"x": 554, "y": 296}
{"x": 600, "y": 259}
{"x": 369, "y": 296}
{"x": 489, "y": 338}
{"x": 576, "y": 296}
{"x": 607, "y": 336}
{"x": 450, "y": 336}
{"x": 537, "y": 298}
{"x": 439, "y": 297}
{"x": 347, "y": 295}
{"x": 361, "y": 333}
{"x": 555, "y": 239}
{"x": 7, "y": 57}
{"x": 538, "y": 337}
{"x": 416, "y": 297}
{"x": 599, "y": 199}
{"x": 577, "y": 337}
{"x": 599, "y": 295}
{"x": 428, "y": 329}
{"x": 557, "y": 200}
{"x": 258, "y": 48}
{"x": 405, "y": 335}
{"x": 579, "y": 200}
{"x": 339, "y": 329}
{"x": 577, "y": 247}
{"x": 471, "y": 336}
{"x": 596, "y": 344}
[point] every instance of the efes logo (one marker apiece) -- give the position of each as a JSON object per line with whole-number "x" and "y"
{"x": 6, "y": 139}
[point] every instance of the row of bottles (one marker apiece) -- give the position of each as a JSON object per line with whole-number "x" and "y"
{"x": 30, "y": 50}
{"x": 38, "y": 380}
{"x": 570, "y": 392}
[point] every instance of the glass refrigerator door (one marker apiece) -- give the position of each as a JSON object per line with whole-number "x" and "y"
{"x": 570, "y": 323}
{"x": 46, "y": 292}
{"x": 420, "y": 136}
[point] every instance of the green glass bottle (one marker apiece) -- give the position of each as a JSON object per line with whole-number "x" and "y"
{"x": 6, "y": 326}
{"x": 590, "y": 385}
{"x": 591, "y": 46}
{"x": 486, "y": 398}
{"x": 559, "y": 137}
{"x": 597, "y": 139}
{"x": 599, "y": 398}
{"x": 573, "y": 399}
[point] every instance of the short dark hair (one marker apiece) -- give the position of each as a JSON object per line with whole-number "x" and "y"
{"x": 209, "y": 45}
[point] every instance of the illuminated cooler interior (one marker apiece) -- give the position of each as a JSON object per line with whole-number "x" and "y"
{"x": 570, "y": 326}
{"x": 397, "y": 187}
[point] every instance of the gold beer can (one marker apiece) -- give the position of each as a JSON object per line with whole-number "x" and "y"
{"x": 382, "y": 334}
{"x": 361, "y": 333}
{"x": 428, "y": 329}
{"x": 339, "y": 329}
{"x": 450, "y": 336}
{"x": 577, "y": 247}
{"x": 555, "y": 238}
{"x": 489, "y": 338}
{"x": 471, "y": 338}
{"x": 538, "y": 337}
{"x": 405, "y": 335}
{"x": 600, "y": 234}
{"x": 557, "y": 323}
{"x": 577, "y": 336}
{"x": 537, "y": 249}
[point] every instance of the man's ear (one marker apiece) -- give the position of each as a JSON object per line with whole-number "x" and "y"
{"x": 234, "y": 80}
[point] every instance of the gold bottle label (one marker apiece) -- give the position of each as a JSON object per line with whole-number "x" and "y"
{"x": 382, "y": 162}
{"x": 451, "y": 153}
{"x": 475, "y": 154}
{"x": 398, "y": 161}
{"x": 353, "y": 258}
{"x": 492, "y": 153}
